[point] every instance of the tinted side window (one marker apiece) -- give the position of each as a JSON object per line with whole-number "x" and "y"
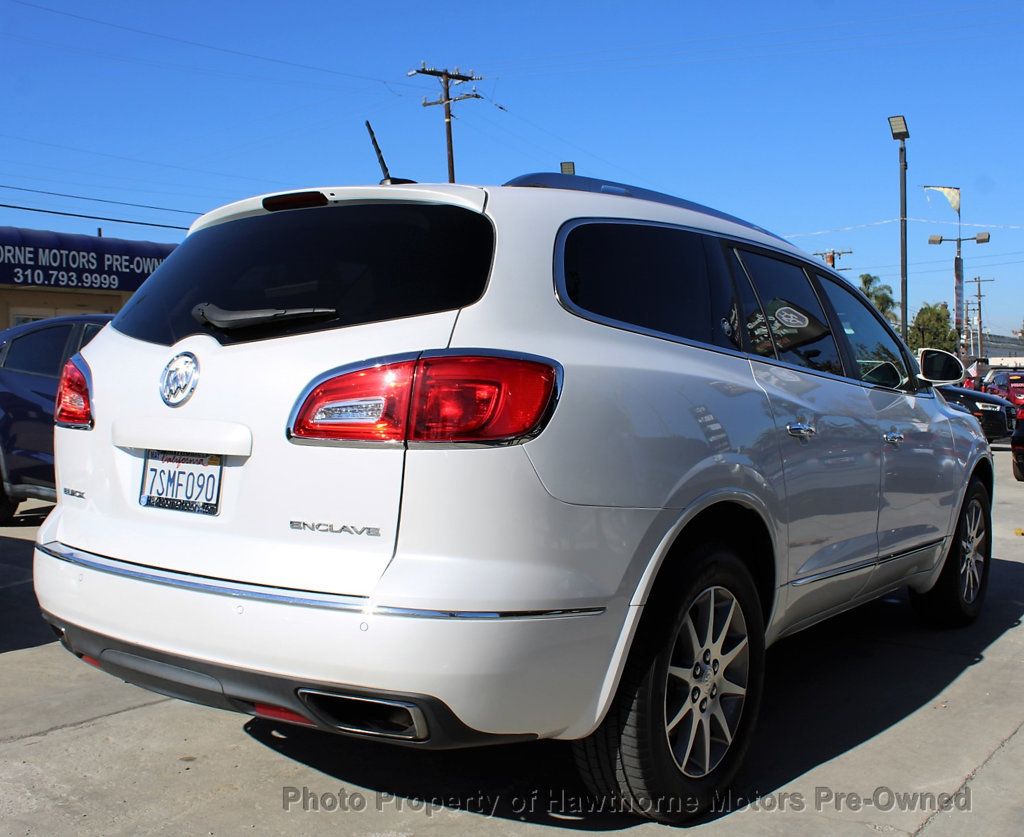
{"x": 88, "y": 332}
{"x": 643, "y": 275}
{"x": 794, "y": 316}
{"x": 40, "y": 352}
{"x": 878, "y": 356}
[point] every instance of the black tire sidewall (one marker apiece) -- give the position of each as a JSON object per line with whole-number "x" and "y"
{"x": 668, "y": 786}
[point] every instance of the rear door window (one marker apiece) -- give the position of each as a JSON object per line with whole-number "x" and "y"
{"x": 791, "y": 312}
{"x": 647, "y": 276}
{"x": 39, "y": 352}
{"x": 356, "y": 264}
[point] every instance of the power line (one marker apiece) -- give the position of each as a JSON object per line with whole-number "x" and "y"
{"x": 137, "y": 159}
{"x": 201, "y": 45}
{"x": 91, "y": 217}
{"x": 99, "y": 200}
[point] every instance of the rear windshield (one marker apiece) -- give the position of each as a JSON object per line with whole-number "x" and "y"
{"x": 367, "y": 262}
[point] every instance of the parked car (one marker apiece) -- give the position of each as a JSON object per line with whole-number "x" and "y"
{"x": 31, "y": 358}
{"x": 447, "y": 465}
{"x": 996, "y": 415}
{"x": 1017, "y": 451}
{"x": 1006, "y": 383}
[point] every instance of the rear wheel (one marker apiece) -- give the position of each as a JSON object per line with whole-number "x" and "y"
{"x": 1018, "y": 472}
{"x": 957, "y": 596}
{"x": 681, "y": 721}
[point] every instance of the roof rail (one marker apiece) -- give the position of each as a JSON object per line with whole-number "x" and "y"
{"x": 577, "y": 183}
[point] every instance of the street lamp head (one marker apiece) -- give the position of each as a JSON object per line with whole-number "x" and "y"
{"x": 935, "y": 239}
{"x": 982, "y": 238}
{"x": 898, "y": 126}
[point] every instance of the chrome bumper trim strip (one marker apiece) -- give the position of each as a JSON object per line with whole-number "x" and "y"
{"x": 276, "y": 595}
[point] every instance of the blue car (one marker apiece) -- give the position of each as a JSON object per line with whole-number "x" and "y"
{"x": 31, "y": 358}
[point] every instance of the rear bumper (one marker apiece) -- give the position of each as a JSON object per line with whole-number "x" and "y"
{"x": 247, "y": 691}
{"x": 476, "y": 677}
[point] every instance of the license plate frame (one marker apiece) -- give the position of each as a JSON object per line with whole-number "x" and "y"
{"x": 185, "y": 489}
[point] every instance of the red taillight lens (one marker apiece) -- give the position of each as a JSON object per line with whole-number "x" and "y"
{"x": 366, "y": 405}
{"x": 438, "y": 399}
{"x": 468, "y": 399}
{"x": 73, "y": 408}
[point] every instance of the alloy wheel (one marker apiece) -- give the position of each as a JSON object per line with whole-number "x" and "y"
{"x": 972, "y": 551}
{"x": 706, "y": 682}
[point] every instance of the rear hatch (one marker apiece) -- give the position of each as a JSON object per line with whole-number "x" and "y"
{"x": 212, "y": 485}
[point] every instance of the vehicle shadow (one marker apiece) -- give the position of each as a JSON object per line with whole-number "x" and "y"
{"x": 828, "y": 689}
{"x": 21, "y": 625}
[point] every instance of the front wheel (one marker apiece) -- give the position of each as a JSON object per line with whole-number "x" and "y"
{"x": 957, "y": 596}
{"x": 681, "y": 721}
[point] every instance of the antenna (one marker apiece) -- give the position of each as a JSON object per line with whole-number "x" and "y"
{"x": 388, "y": 180}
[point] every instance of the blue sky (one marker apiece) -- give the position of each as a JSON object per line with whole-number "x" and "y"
{"x": 775, "y": 112}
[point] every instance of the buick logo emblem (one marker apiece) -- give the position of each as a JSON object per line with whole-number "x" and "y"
{"x": 179, "y": 378}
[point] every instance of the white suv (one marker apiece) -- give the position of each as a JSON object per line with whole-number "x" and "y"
{"x": 448, "y": 465}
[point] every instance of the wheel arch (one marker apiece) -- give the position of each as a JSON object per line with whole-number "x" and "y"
{"x": 737, "y": 519}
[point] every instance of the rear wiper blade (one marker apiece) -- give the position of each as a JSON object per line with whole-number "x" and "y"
{"x": 207, "y": 312}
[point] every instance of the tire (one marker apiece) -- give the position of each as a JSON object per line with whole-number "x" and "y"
{"x": 672, "y": 690}
{"x": 1018, "y": 472}
{"x": 957, "y": 597}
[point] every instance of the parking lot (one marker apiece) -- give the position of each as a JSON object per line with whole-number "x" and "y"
{"x": 867, "y": 720}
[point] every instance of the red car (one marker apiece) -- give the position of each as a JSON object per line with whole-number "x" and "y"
{"x": 1009, "y": 385}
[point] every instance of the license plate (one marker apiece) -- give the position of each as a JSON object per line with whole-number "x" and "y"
{"x": 181, "y": 481}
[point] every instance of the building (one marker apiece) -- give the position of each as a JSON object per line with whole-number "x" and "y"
{"x": 47, "y": 274}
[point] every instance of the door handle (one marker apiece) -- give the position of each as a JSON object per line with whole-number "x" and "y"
{"x": 800, "y": 429}
{"x": 893, "y": 437}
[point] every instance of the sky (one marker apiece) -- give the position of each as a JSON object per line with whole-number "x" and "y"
{"x": 775, "y": 112}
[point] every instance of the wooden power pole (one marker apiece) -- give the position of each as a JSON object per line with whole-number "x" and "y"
{"x": 446, "y": 77}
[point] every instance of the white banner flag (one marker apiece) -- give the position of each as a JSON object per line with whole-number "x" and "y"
{"x": 952, "y": 194}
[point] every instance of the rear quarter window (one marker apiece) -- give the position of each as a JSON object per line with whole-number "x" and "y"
{"x": 644, "y": 275}
{"x": 367, "y": 262}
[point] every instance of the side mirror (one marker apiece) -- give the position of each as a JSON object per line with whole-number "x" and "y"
{"x": 939, "y": 367}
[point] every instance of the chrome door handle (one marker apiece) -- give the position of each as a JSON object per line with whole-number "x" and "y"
{"x": 800, "y": 429}
{"x": 892, "y": 437}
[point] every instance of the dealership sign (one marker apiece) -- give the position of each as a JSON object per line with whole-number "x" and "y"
{"x": 64, "y": 261}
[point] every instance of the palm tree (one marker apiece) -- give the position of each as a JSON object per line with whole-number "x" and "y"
{"x": 880, "y": 295}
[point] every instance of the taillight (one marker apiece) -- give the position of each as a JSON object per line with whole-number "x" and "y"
{"x": 73, "y": 408}
{"x": 472, "y": 399}
{"x": 367, "y": 405}
{"x": 447, "y": 398}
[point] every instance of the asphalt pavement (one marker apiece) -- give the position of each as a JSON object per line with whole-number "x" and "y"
{"x": 871, "y": 723}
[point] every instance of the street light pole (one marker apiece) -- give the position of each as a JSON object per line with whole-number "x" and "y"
{"x": 898, "y": 127}
{"x": 903, "y": 239}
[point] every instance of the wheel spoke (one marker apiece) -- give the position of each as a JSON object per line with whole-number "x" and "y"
{"x": 706, "y": 729}
{"x": 711, "y": 619}
{"x": 684, "y": 674}
{"x": 730, "y": 688}
{"x": 719, "y": 715}
{"x": 684, "y": 710}
{"x": 717, "y": 645}
{"x": 689, "y": 744}
{"x": 691, "y": 630}
{"x": 727, "y": 658}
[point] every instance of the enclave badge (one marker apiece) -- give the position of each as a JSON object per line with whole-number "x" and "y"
{"x": 179, "y": 378}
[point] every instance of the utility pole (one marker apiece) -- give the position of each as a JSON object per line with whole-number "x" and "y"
{"x": 977, "y": 280}
{"x": 446, "y": 77}
{"x": 830, "y": 257}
